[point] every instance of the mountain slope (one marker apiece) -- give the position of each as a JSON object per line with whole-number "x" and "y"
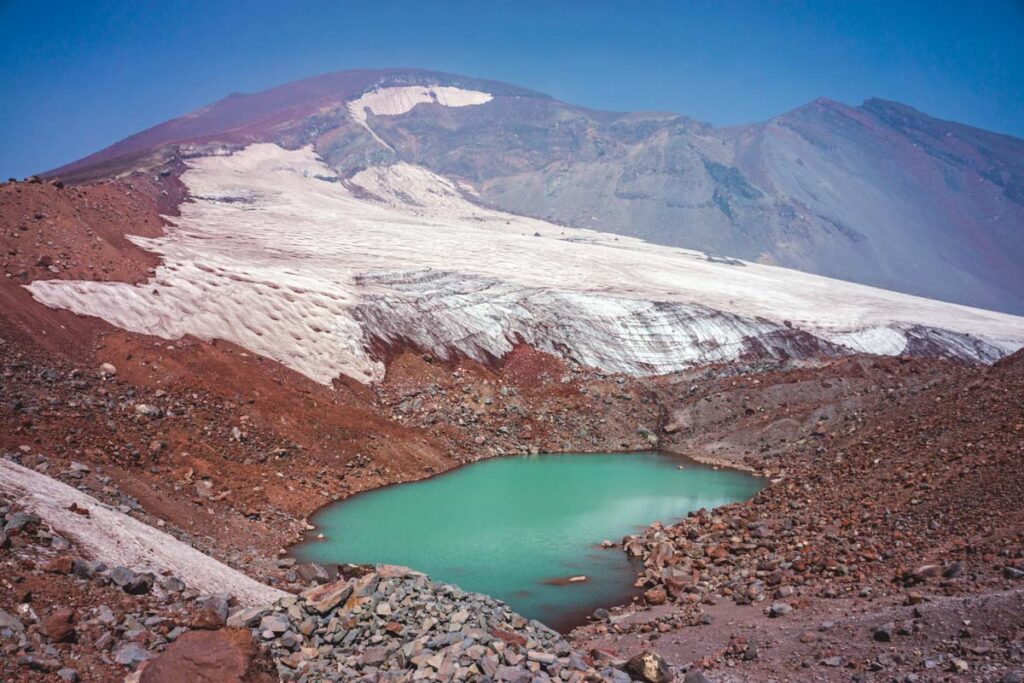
{"x": 879, "y": 194}
{"x": 276, "y": 254}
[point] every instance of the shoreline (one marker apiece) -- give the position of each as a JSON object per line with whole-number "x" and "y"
{"x": 577, "y": 618}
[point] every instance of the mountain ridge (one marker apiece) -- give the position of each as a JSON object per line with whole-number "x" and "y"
{"x": 877, "y": 193}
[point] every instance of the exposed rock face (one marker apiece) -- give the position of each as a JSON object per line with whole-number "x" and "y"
{"x": 224, "y": 656}
{"x": 879, "y": 194}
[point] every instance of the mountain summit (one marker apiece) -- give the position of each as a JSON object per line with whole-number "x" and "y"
{"x": 879, "y": 193}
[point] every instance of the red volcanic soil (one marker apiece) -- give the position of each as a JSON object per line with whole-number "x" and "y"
{"x": 901, "y": 505}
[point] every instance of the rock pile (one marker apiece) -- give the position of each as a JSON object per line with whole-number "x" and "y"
{"x": 395, "y": 624}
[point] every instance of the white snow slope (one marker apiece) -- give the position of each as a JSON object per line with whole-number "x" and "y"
{"x": 276, "y": 255}
{"x": 117, "y": 539}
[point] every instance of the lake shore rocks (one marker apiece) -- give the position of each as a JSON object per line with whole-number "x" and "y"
{"x": 395, "y": 624}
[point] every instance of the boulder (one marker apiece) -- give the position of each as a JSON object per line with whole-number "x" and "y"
{"x": 649, "y": 666}
{"x": 883, "y": 634}
{"x": 275, "y": 623}
{"x": 224, "y": 656}
{"x": 248, "y": 616}
{"x": 206, "y": 619}
{"x": 310, "y": 572}
{"x": 131, "y": 655}
{"x": 59, "y": 626}
{"x": 120, "y": 576}
{"x": 323, "y": 599}
{"x": 655, "y": 596}
{"x": 11, "y": 623}
{"x": 21, "y": 520}
{"x": 140, "y": 584}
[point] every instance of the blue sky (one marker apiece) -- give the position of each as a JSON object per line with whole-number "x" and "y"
{"x": 75, "y": 77}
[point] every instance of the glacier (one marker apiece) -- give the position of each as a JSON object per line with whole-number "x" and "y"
{"x": 276, "y": 253}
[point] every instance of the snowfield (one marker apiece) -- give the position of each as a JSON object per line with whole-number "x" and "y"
{"x": 118, "y": 539}
{"x": 278, "y": 255}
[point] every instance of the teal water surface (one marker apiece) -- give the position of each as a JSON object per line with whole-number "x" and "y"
{"x": 517, "y": 527}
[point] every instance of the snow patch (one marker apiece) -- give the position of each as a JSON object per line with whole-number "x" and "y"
{"x": 314, "y": 273}
{"x": 400, "y": 100}
{"x": 118, "y": 539}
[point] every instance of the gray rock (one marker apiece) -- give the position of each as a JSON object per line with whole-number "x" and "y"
{"x": 218, "y": 603}
{"x": 21, "y": 519}
{"x": 39, "y": 663}
{"x": 275, "y": 623}
{"x": 172, "y": 584}
{"x": 310, "y": 572}
{"x": 131, "y": 655}
{"x": 247, "y": 617}
{"x": 120, "y": 576}
{"x": 883, "y": 633}
{"x": 10, "y": 624}
{"x": 615, "y": 675}
{"x": 148, "y": 410}
{"x": 514, "y": 674}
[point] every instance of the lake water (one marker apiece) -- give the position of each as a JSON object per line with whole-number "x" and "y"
{"x": 517, "y": 527}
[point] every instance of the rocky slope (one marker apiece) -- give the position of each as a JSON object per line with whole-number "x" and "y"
{"x": 879, "y": 522}
{"x": 878, "y": 193}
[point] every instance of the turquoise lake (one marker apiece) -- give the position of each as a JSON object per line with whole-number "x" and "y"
{"x": 517, "y": 527}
